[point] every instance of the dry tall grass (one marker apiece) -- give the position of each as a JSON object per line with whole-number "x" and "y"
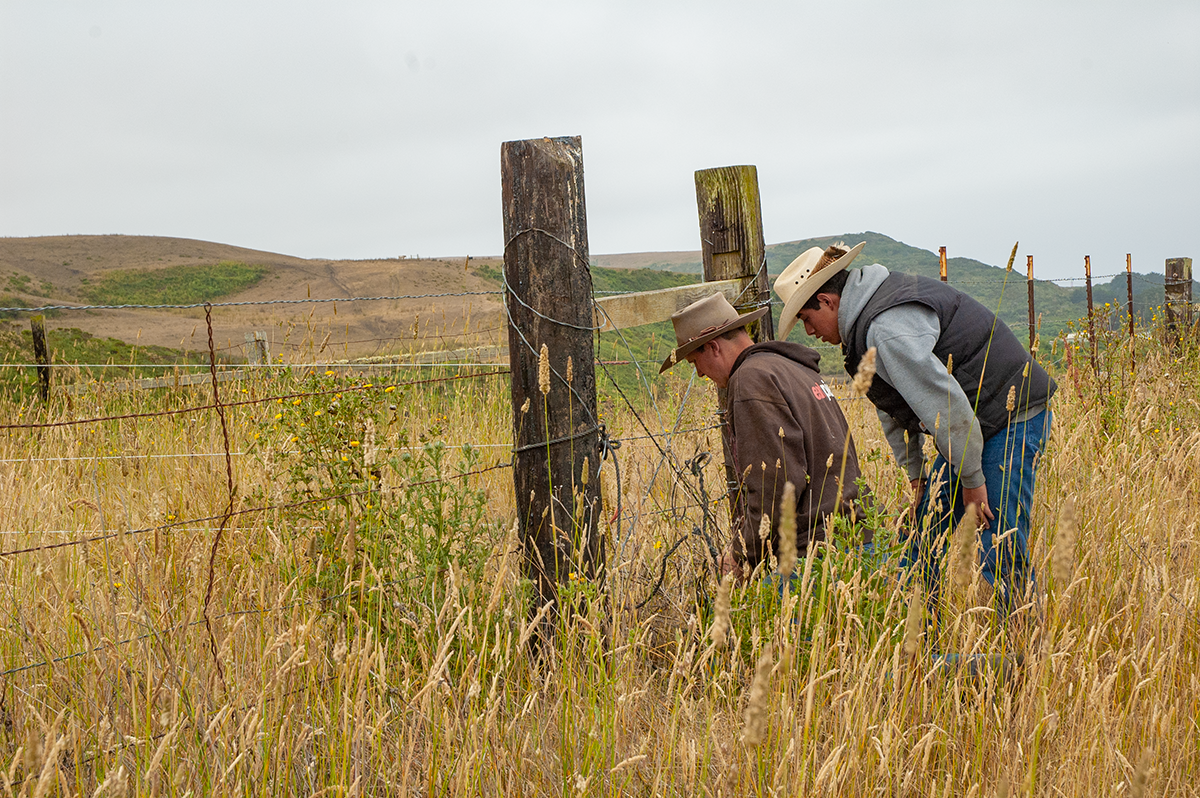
{"x": 111, "y": 686}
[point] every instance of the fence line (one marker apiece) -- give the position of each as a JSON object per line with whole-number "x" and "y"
{"x": 171, "y": 526}
{"x": 446, "y": 295}
{"x": 143, "y": 457}
{"x": 177, "y": 526}
{"x": 254, "y": 302}
{"x": 259, "y": 401}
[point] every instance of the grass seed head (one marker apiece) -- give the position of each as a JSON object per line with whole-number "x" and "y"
{"x": 756, "y": 706}
{"x": 720, "y": 629}
{"x": 369, "y": 451}
{"x": 544, "y": 370}
{"x": 962, "y": 548}
{"x": 865, "y": 374}
{"x": 787, "y": 532}
{"x": 1062, "y": 558}
{"x": 1010, "y": 404}
{"x": 914, "y": 623}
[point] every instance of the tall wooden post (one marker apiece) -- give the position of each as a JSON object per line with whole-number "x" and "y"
{"x": 942, "y": 272}
{"x": 1129, "y": 292}
{"x": 41, "y": 354}
{"x": 1177, "y": 289}
{"x": 732, "y": 244}
{"x": 1032, "y": 324}
{"x": 1087, "y": 271}
{"x": 548, "y": 298}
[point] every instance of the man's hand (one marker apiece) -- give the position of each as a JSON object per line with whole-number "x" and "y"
{"x": 978, "y": 497}
{"x": 728, "y": 565}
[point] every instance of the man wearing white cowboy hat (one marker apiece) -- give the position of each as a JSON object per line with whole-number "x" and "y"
{"x": 783, "y": 422}
{"x": 944, "y": 367}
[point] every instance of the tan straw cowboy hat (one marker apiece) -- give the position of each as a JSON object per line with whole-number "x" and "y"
{"x": 805, "y": 275}
{"x": 702, "y": 321}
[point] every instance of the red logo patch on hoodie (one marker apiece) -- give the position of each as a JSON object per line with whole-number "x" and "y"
{"x": 822, "y": 391}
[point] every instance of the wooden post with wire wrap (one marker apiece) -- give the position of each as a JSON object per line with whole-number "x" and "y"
{"x": 556, "y": 431}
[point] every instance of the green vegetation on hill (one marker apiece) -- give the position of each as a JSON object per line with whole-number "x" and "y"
{"x": 10, "y": 301}
{"x": 174, "y": 285}
{"x": 23, "y": 283}
{"x": 648, "y": 279}
{"x": 71, "y": 345}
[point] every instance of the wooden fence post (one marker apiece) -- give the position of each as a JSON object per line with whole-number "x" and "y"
{"x": 732, "y": 244}
{"x": 1177, "y": 289}
{"x": 942, "y": 272}
{"x": 257, "y": 353}
{"x": 41, "y": 353}
{"x": 1087, "y": 271}
{"x": 1129, "y": 291}
{"x": 1032, "y": 325}
{"x": 548, "y": 299}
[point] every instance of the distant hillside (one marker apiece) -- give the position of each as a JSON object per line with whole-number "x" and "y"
{"x": 151, "y": 270}
{"x": 1054, "y": 304}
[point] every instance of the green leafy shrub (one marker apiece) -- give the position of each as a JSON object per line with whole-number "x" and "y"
{"x": 386, "y": 525}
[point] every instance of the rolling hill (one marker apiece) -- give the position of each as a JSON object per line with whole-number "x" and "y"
{"x": 118, "y": 269}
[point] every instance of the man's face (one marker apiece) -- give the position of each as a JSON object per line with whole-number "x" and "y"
{"x": 709, "y": 363}
{"x": 823, "y": 321}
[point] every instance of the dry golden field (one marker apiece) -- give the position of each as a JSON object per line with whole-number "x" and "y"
{"x": 336, "y": 607}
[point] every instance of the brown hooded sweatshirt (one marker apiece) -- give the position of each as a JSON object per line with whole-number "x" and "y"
{"x": 786, "y": 426}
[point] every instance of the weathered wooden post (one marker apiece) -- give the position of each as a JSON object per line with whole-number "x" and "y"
{"x": 1087, "y": 271}
{"x": 257, "y": 353}
{"x": 1177, "y": 289}
{"x": 41, "y": 354}
{"x": 548, "y": 299}
{"x": 732, "y": 245}
{"x": 942, "y": 271}
{"x": 1129, "y": 292}
{"x": 1032, "y": 325}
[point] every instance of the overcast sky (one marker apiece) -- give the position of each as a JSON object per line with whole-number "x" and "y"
{"x": 373, "y": 129}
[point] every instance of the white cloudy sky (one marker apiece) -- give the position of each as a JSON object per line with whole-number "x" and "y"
{"x": 362, "y": 129}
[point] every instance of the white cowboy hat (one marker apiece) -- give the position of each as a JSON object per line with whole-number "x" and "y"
{"x": 805, "y": 275}
{"x": 702, "y": 321}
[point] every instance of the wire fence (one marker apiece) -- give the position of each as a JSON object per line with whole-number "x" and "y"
{"x": 658, "y": 433}
{"x": 33, "y": 422}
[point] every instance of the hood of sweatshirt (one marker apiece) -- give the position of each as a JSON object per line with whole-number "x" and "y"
{"x": 860, "y": 287}
{"x": 805, "y": 356}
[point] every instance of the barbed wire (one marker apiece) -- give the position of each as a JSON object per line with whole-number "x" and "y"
{"x": 251, "y": 302}
{"x": 257, "y": 401}
{"x": 172, "y": 526}
{"x": 452, "y": 294}
{"x": 188, "y": 625}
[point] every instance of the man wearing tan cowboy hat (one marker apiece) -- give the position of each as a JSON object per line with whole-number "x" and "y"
{"x": 783, "y": 424}
{"x": 932, "y": 344}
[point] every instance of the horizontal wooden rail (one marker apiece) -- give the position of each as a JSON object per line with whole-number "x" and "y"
{"x": 646, "y": 307}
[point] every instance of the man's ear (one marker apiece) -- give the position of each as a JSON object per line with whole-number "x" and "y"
{"x": 832, "y": 300}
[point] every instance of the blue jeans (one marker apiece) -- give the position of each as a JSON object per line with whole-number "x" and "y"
{"x": 1009, "y": 464}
